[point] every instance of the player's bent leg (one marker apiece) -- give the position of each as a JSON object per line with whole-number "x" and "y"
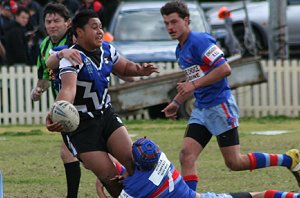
{"x": 120, "y": 145}
{"x": 102, "y": 166}
{"x": 72, "y": 171}
{"x": 229, "y": 145}
{"x": 230, "y": 149}
{"x": 234, "y": 160}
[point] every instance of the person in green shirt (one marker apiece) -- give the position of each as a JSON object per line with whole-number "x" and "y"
{"x": 57, "y": 22}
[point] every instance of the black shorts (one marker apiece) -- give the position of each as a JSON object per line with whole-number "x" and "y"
{"x": 201, "y": 134}
{"x": 93, "y": 133}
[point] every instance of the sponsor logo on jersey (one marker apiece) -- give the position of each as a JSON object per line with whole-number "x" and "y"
{"x": 212, "y": 54}
{"x": 193, "y": 73}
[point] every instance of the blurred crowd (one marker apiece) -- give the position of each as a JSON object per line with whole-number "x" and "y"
{"x": 22, "y": 26}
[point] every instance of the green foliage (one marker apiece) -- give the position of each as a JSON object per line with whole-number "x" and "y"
{"x": 30, "y": 162}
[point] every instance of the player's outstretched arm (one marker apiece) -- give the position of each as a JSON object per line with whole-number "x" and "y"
{"x": 124, "y": 67}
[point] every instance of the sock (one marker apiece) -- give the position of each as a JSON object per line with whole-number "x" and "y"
{"x": 120, "y": 168}
{"x": 278, "y": 194}
{"x": 191, "y": 181}
{"x": 73, "y": 175}
{"x": 262, "y": 160}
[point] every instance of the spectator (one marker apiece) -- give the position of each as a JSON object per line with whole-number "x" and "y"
{"x": 35, "y": 11}
{"x": 6, "y": 16}
{"x": 15, "y": 40}
{"x": 72, "y": 5}
{"x": 35, "y": 27}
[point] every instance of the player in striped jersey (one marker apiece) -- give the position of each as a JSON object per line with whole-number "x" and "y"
{"x": 100, "y": 130}
{"x": 156, "y": 176}
{"x": 216, "y": 111}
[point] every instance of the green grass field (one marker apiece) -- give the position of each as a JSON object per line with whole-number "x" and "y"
{"x": 31, "y": 166}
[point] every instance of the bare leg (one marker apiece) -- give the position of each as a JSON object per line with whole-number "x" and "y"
{"x": 102, "y": 166}
{"x": 234, "y": 160}
{"x": 189, "y": 153}
{"x": 257, "y": 194}
{"x": 119, "y": 145}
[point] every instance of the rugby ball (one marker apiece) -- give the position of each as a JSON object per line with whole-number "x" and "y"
{"x": 66, "y": 114}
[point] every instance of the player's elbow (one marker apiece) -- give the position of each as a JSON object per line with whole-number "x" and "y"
{"x": 226, "y": 70}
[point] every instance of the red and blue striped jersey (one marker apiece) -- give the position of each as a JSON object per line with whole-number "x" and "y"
{"x": 163, "y": 182}
{"x": 198, "y": 56}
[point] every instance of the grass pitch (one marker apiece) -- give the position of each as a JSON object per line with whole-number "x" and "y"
{"x": 31, "y": 166}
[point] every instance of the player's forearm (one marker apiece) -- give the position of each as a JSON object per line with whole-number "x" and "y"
{"x": 43, "y": 84}
{"x": 214, "y": 76}
{"x": 132, "y": 69}
{"x": 66, "y": 94}
{"x": 180, "y": 99}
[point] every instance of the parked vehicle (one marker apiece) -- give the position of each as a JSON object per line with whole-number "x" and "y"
{"x": 139, "y": 32}
{"x": 140, "y": 35}
{"x": 259, "y": 16}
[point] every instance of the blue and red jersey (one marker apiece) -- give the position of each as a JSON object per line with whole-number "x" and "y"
{"x": 163, "y": 182}
{"x": 197, "y": 57}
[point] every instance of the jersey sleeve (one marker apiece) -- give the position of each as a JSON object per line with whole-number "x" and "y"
{"x": 65, "y": 66}
{"x": 115, "y": 56}
{"x": 210, "y": 53}
{"x": 58, "y": 48}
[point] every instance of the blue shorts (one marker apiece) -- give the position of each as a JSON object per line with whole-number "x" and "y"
{"x": 217, "y": 119}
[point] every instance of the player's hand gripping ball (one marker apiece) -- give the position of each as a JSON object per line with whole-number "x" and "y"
{"x": 66, "y": 114}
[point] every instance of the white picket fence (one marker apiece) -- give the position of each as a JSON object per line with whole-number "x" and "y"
{"x": 279, "y": 96}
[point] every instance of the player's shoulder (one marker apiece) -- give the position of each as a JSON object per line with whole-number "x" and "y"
{"x": 107, "y": 45}
{"x": 202, "y": 37}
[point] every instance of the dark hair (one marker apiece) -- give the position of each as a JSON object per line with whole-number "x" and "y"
{"x": 82, "y": 18}
{"x": 57, "y": 8}
{"x": 177, "y": 6}
{"x": 22, "y": 9}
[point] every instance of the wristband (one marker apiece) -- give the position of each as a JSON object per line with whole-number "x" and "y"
{"x": 176, "y": 102}
{"x": 57, "y": 56}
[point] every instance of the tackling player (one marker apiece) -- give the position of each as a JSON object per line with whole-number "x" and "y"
{"x": 156, "y": 176}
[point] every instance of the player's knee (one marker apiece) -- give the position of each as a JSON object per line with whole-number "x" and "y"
{"x": 66, "y": 155}
{"x": 233, "y": 165}
{"x": 187, "y": 157}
